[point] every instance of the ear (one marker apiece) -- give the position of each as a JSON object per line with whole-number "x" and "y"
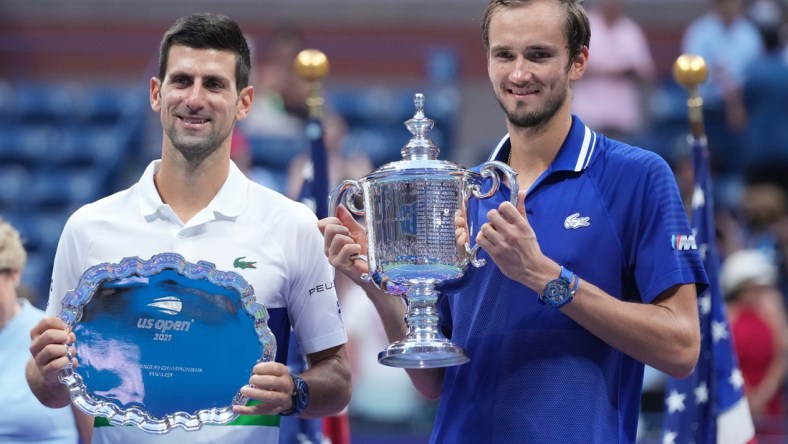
{"x": 155, "y": 94}
{"x": 579, "y": 65}
{"x": 245, "y": 100}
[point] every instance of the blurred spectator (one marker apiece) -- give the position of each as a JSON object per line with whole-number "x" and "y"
{"x": 763, "y": 206}
{"x": 280, "y": 93}
{"x": 241, "y": 154}
{"x": 756, "y": 222}
{"x": 620, "y": 71}
{"x": 765, "y": 95}
{"x": 341, "y": 165}
{"x": 275, "y": 128}
{"x": 729, "y": 43}
{"x": 22, "y": 419}
{"x": 760, "y": 335}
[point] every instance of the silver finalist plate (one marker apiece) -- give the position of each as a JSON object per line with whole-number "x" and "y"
{"x": 163, "y": 343}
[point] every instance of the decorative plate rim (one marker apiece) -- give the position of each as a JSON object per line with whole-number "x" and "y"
{"x": 92, "y": 278}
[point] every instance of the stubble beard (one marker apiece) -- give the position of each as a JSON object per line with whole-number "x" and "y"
{"x": 194, "y": 148}
{"x": 537, "y": 119}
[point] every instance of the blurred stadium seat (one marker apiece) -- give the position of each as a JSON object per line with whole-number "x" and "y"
{"x": 14, "y": 180}
{"x": 64, "y": 189}
{"x": 104, "y": 104}
{"x": 44, "y": 102}
{"x": 275, "y": 152}
{"x": 61, "y": 146}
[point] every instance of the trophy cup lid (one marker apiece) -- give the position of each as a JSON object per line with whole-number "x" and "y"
{"x": 419, "y": 155}
{"x": 419, "y": 147}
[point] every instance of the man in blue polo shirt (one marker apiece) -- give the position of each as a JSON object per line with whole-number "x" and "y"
{"x": 594, "y": 274}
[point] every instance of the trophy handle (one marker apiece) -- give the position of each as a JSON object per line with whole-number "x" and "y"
{"x": 340, "y": 192}
{"x": 341, "y": 196}
{"x": 489, "y": 170}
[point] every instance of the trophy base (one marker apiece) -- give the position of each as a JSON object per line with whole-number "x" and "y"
{"x": 422, "y": 354}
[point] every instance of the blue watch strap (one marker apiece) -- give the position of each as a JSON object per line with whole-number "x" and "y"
{"x": 571, "y": 278}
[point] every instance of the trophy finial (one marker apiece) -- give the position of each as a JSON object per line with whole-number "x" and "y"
{"x": 419, "y": 146}
{"x": 418, "y": 101}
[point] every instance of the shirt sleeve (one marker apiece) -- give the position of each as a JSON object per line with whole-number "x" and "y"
{"x": 313, "y": 305}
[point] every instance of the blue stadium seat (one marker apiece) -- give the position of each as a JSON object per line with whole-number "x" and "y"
{"x": 372, "y": 105}
{"x": 98, "y": 146}
{"x": 62, "y": 189}
{"x": 276, "y": 152}
{"x": 104, "y": 104}
{"x": 28, "y": 144}
{"x": 15, "y": 180}
{"x": 7, "y": 105}
{"x": 45, "y": 102}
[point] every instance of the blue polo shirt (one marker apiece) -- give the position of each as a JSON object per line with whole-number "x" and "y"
{"x": 612, "y": 214}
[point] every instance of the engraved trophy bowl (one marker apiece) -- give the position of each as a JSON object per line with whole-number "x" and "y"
{"x": 409, "y": 210}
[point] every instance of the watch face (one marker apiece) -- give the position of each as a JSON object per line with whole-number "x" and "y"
{"x": 557, "y": 291}
{"x": 303, "y": 393}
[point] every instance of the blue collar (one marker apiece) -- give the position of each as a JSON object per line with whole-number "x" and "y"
{"x": 574, "y": 155}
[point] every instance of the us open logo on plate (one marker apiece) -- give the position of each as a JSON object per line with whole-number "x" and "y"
{"x": 170, "y": 305}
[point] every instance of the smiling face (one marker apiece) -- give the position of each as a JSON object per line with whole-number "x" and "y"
{"x": 198, "y": 101}
{"x": 528, "y": 63}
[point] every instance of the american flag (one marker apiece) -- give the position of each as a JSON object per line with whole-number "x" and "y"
{"x": 709, "y": 406}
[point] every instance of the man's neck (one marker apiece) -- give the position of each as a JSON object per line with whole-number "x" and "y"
{"x": 533, "y": 150}
{"x": 189, "y": 187}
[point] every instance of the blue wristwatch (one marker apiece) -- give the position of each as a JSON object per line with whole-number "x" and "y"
{"x": 300, "y": 396}
{"x": 560, "y": 291}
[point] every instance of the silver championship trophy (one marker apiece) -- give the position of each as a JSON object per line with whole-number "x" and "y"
{"x": 409, "y": 209}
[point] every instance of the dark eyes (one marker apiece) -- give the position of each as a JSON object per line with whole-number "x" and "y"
{"x": 212, "y": 84}
{"x": 184, "y": 81}
{"x": 532, "y": 55}
{"x": 181, "y": 81}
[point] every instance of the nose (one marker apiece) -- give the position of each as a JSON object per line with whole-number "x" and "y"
{"x": 520, "y": 71}
{"x": 195, "y": 100}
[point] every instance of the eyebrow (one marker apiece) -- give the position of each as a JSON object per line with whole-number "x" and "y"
{"x": 209, "y": 77}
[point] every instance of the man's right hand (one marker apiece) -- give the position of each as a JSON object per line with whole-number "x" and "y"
{"x": 49, "y": 350}
{"x": 344, "y": 241}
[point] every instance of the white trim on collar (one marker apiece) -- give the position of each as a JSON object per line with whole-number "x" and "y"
{"x": 498, "y": 147}
{"x": 586, "y": 150}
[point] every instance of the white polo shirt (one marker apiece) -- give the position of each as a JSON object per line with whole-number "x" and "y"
{"x": 291, "y": 276}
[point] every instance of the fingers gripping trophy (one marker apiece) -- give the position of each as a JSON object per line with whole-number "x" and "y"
{"x": 409, "y": 210}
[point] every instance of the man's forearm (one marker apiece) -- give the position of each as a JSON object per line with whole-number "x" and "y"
{"x": 53, "y": 397}
{"x": 391, "y": 310}
{"x": 329, "y": 382}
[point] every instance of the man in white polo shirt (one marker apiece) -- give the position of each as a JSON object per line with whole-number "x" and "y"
{"x": 195, "y": 202}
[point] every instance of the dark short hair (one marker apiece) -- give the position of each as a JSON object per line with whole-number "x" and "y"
{"x": 208, "y": 31}
{"x": 576, "y": 26}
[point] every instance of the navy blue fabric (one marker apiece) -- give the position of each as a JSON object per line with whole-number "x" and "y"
{"x": 534, "y": 374}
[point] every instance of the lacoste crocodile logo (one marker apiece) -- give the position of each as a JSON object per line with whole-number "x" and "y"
{"x": 242, "y": 264}
{"x": 574, "y": 222}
